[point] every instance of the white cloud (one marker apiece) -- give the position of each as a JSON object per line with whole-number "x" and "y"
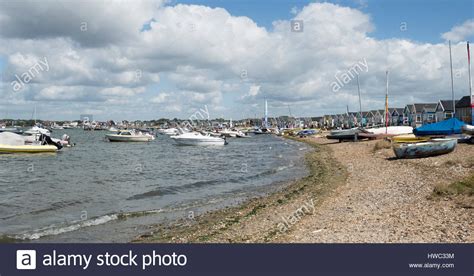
{"x": 197, "y": 55}
{"x": 161, "y": 98}
{"x": 460, "y": 32}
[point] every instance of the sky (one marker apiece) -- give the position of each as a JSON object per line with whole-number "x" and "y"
{"x": 151, "y": 59}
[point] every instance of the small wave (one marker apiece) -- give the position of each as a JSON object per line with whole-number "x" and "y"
{"x": 200, "y": 184}
{"x": 56, "y": 230}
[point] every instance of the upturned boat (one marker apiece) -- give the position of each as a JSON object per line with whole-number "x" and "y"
{"x": 433, "y": 147}
{"x": 344, "y": 134}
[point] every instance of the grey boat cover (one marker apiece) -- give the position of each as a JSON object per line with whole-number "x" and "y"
{"x": 11, "y": 139}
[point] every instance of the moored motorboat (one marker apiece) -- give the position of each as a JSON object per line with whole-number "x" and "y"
{"x": 196, "y": 138}
{"x": 38, "y": 130}
{"x": 129, "y": 136}
{"x": 241, "y": 134}
{"x": 168, "y": 131}
{"x": 228, "y": 133}
{"x": 11, "y": 129}
{"x": 436, "y": 146}
{"x": 14, "y": 143}
{"x": 27, "y": 148}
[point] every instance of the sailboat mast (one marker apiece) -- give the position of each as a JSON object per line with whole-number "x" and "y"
{"x": 470, "y": 83}
{"x": 266, "y": 114}
{"x": 386, "y": 104}
{"x": 360, "y": 102}
{"x": 452, "y": 79}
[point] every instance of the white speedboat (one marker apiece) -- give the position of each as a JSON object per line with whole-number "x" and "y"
{"x": 229, "y": 133}
{"x": 130, "y": 136}
{"x": 168, "y": 131}
{"x": 38, "y": 130}
{"x": 55, "y": 126}
{"x": 241, "y": 134}
{"x": 196, "y": 138}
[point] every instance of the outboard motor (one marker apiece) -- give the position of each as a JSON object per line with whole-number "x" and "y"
{"x": 46, "y": 140}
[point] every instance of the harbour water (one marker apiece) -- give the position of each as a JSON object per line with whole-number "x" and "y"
{"x": 111, "y": 192}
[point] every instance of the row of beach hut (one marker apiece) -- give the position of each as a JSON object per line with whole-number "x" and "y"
{"x": 411, "y": 115}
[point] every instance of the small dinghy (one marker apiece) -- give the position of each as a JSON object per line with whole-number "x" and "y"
{"x": 432, "y": 147}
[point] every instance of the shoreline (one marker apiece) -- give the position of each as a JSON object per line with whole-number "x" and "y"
{"x": 354, "y": 192}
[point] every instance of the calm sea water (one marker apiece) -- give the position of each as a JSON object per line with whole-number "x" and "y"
{"x": 111, "y": 192}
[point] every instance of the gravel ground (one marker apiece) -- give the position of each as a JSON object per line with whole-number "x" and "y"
{"x": 354, "y": 194}
{"x": 386, "y": 200}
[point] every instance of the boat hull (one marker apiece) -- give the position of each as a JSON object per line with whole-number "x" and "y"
{"x": 27, "y": 149}
{"x": 468, "y": 129}
{"x": 343, "y": 135}
{"x": 127, "y": 138}
{"x": 424, "y": 149}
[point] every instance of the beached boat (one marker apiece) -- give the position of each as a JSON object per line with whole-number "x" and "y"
{"x": 468, "y": 129}
{"x": 390, "y": 130}
{"x": 129, "y": 136}
{"x": 408, "y": 138}
{"x": 196, "y": 138}
{"x": 344, "y": 134}
{"x": 432, "y": 147}
{"x": 307, "y": 132}
{"x": 443, "y": 128}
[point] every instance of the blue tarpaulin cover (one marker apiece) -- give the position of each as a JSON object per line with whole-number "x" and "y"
{"x": 446, "y": 127}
